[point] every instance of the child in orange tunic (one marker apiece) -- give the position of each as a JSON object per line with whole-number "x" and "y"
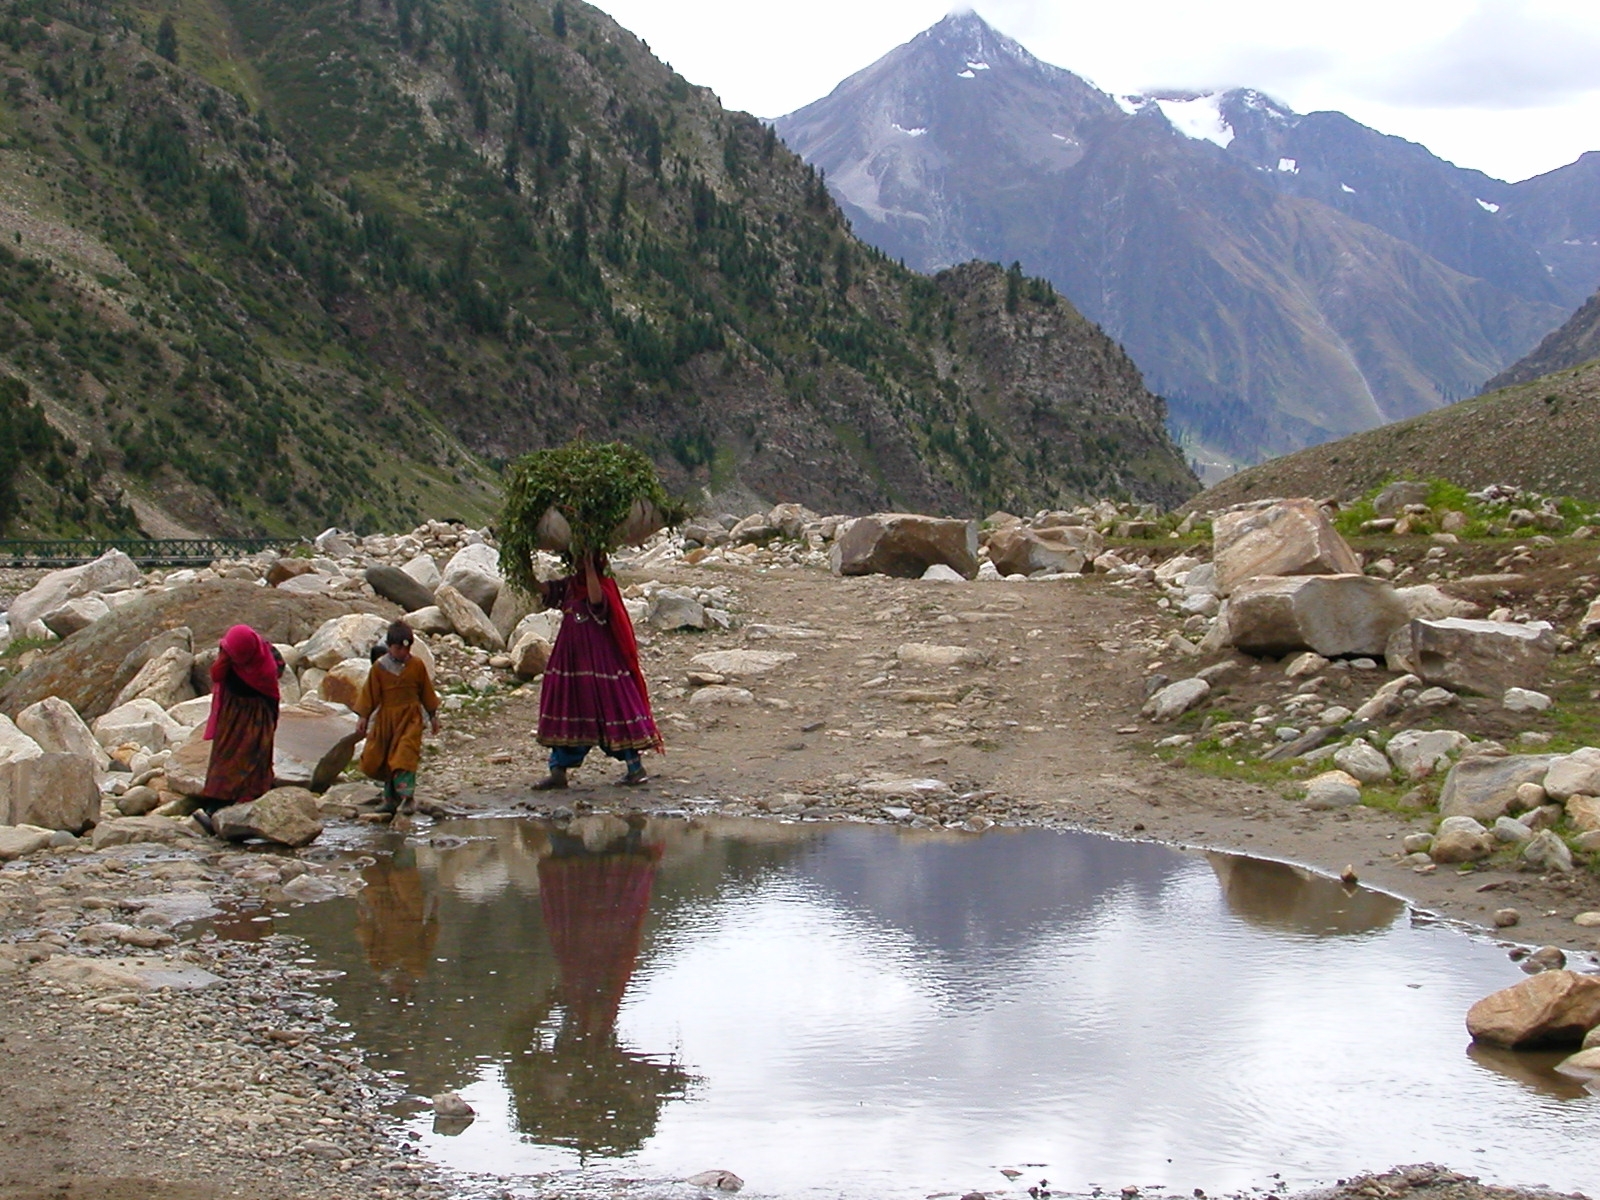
{"x": 392, "y": 705}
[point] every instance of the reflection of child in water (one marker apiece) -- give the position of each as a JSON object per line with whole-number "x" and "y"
{"x": 397, "y": 921}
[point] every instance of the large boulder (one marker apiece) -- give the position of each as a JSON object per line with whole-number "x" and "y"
{"x": 468, "y": 619}
{"x": 77, "y": 613}
{"x": 1285, "y": 537}
{"x": 1331, "y": 614}
{"x": 165, "y": 679}
{"x": 344, "y": 682}
{"x": 1484, "y": 657}
{"x": 1019, "y": 550}
{"x": 90, "y": 668}
{"x": 287, "y": 816}
{"x": 510, "y": 606}
{"x": 1417, "y": 753}
{"x": 1575, "y": 774}
{"x": 58, "y": 728}
{"x": 1485, "y": 789}
{"x": 15, "y": 744}
{"x": 474, "y": 571}
{"x": 530, "y": 655}
{"x": 425, "y": 571}
{"x": 112, "y": 570}
{"x": 1554, "y": 1008}
{"x": 142, "y": 722}
{"x": 315, "y": 742}
{"x": 346, "y": 637}
{"x": 52, "y": 791}
{"x": 394, "y": 584}
{"x": 905, "y": 545}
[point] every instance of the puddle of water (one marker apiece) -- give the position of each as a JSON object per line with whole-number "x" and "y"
{"x": 850, "y": 1011}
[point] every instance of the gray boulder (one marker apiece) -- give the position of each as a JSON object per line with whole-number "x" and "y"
{"x": 112, "y": 570}
{"x": 58, "y": 728}
{"x": 52, "y": 791}
{"x": 1485, "y": 789}
{"x": 468, "y": 619}
{"x": 1019, "y": 550}
{"x": 474, "y": 571}
{"x": 1416, "y": 753}
{"x": 287, "y": 816}
{"x": 1363, "y": 761}
{"x": 1285, "y": 537}
{"x": 1575, "y": 774}
{"x": 1460, "y": 840}
{"x": 1331, "y": 614}
{"x": 1545, "y": 851}
{"x": 1483, "y": 657}
{"x": 394, "y": 584}
{"x": 675, "y": 610}
{"x": 78, "y": 613}
{"x": 905, "y": 545}
{"x": 1176, "y": 699}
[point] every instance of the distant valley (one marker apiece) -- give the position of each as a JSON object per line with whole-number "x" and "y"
{"x": 1282, "y": 279}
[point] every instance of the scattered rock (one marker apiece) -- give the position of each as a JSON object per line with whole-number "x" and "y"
{"x": 1461, "y": 839}
{"x": 1556, "y": 1008}
{"x": 1545, "y": 851}
{"x": 737, "y": 664}
{"x": 1363, "y": 761}
{"x": 1176, "y": 699}
{"x": 921, "y": 654}
{"x": 905, "y": 545}
{"x": 1329, "y": 614}
{"x": 1486, "y": 788}
{"x": 1481, "y": 657}
{"x": 1417, "y": 753}
{"x": 1284, "y": 537}
{"x": 1522, "y": 700}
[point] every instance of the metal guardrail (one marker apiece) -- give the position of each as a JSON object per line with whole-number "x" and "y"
{"x": 150, "y": 552}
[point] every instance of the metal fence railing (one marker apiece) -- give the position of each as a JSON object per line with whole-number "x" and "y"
{"x": 173, "y": 552}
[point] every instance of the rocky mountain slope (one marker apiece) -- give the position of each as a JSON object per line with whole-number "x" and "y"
{"x": 1575, "y": 343}
{"x": 1281, "y": 279}
{"x": 277, "y": 264}
{"x": 1543, "y": 436}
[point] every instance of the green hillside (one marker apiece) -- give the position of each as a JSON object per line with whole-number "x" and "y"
{"x": 273, "y": 264}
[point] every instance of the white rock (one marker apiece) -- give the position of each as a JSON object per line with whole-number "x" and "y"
{"x": 56, "y": 726}
{"x": 142, "y": 722}
{"x": 941, "y": 573}
{"x": 743, "y": 663}
{"x": 1176, "y": 699}
{"x": 1485, "y": 657}
{"x": 1332, "y": 789}
{"x": 78, "y": 613}
{"x": 166, "y": 679}
{"x": 474, "y": 571}
{"x": 1363, "y": 761}
{"x": 922, "y": 654}
{"x": 1575, "y": 774}
{"x": 14, "y": 744}
{"x": 887, "y": 788}
{"x": 1284, "y": 537}
{"x": 1308, "y": 663}
{"x": 424, "y": 570}
{"x": 1509, "y": 829}
{"x": 1547, "y": 852}
{"x": 1330, "y": 614}
{"x": 112, "y": 570}
{"x": 341, "y": 638}
{"x": 1522, "y": 700}
{"x": 1419, "y": 752}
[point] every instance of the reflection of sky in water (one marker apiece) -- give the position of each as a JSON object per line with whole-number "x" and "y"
{"x": 866, "y": 1014}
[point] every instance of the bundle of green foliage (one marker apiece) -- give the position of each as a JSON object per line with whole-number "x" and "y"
{"x": 594, "y": 486}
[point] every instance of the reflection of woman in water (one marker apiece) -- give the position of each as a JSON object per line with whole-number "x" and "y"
{"x": 574, "y": 1085}
{"x": 397, "y": 921}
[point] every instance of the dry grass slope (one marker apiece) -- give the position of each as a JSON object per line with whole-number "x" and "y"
{"x": 1543, "y": 435}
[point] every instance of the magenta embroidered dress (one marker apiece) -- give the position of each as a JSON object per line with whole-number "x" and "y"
{"x": 589, "y": 697}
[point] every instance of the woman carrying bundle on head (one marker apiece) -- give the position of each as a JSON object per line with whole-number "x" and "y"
{"x": 594, "y": 693}
{"x": 243, "y": 723}
{"x": 398, "y": 696}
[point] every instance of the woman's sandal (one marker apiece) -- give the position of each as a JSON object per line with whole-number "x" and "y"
{"x": 634, "y": 778}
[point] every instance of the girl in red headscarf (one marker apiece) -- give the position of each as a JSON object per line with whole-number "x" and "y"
{"x": 243, "y": 721}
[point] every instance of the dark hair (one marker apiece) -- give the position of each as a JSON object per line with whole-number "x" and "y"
{"x": 399, "y": 633}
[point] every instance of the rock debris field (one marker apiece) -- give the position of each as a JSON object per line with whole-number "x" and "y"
{"x": 1414, "y": 715}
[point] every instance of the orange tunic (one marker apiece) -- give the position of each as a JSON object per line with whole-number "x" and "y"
{"x": 394, "y": 706}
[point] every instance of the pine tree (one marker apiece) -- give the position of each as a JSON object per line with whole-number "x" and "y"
{"x": 558, "y": 20}
{"x": 167, "y": 40}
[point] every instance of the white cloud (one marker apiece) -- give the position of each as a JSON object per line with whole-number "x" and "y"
{"x": 1508, "y": 86}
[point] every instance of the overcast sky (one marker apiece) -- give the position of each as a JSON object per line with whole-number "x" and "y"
{"x": 1511, "y": 87}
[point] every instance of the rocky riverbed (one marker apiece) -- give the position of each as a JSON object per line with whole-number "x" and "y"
{"x": 793, "y": 694}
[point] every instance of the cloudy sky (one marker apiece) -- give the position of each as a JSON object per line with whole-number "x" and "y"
{"x": 1511, "y": 87}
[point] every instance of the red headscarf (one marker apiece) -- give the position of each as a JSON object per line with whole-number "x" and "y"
{"x": 249, "y": 656}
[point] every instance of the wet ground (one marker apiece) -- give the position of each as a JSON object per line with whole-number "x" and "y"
{"x": 842, "y": 1010}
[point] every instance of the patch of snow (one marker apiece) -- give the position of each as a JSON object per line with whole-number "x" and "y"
{"x": 977, "y": 66}
{"x": 917, "y": 132}
{"x": 1487, "y": 207}
{"x": 965, "y": 75}
{"x": 1345, "y": 187}
{"x": 1130, "y": 104}
{"x": 1288, "y": 166}
{"x": 1199, "y": 118}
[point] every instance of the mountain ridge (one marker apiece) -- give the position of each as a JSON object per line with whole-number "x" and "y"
{"x": 333, "y": 262}
{"x": 1265, "y": 288}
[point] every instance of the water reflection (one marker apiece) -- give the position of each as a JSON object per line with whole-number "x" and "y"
{"x": 572, "y": 1083}
{"x": 397, "y": 921}
{"x": 847, "y": 1011}
{"x": 1282, "y": 896}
